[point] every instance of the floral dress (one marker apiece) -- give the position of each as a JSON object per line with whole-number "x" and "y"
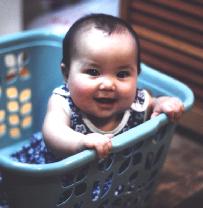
{"x": 36, "y": 151}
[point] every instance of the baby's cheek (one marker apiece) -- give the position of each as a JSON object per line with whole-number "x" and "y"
{"x": 78, "y": 86}
{"x": 128, "y": 97}
{"x": 81, "y": 94}
{"x": 129, "y": 92}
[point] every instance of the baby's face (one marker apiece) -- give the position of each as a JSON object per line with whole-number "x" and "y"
{"x": 103, "y": 73}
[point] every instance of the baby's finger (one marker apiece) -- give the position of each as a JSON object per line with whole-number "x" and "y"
{"x": 101, "y": 151}
{"x": 178, "y": 109}
{"x": 177, "y": 104}
{"x": 109, "y": 135}
{"x": 154, "y": 114}
{"x": 171, "y": 116}
{"x": 107, "y": 148}
{"x": 179, "y": 113}
{"x": 109, "y": 145}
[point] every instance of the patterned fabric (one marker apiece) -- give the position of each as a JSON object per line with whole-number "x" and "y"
{"x": 36, "y": 151}
{"x": 137, "y": 111}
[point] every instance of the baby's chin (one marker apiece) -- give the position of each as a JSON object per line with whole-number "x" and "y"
{"x": 102, "y": 117}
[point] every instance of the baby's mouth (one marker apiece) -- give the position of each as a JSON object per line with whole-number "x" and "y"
{"x": 105, "y": 100}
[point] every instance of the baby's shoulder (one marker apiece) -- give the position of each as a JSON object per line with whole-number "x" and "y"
{"x": 62, "y": 91}
{"x": 57, "y": 102}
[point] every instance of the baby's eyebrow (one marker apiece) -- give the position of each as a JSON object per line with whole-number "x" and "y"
{"x": 87, "y": 62}
{"x": 125, "y": 67}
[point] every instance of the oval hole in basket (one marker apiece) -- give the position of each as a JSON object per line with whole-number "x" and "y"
{"x": 159, "y": 154}
{"x": 10, "y": 60}
{"x": 2, "y": 129}
{"x": 23, "y": 58}
{"x": 24, "y": 73}
{"x": 119, "y": 189}
{"x": 138, "y": 145}
{"x": 26, "y": 122}
{"x": 82, "y": 174}
{"x": 128, "y": 201}
{"x": 153, "y": 174}
{"x": 107, "y": 185}
{"x": 150, "y": 186}
{"x": 133, "y": 177}
{"x": 105, "y": 164}
{"x": 26, "y": 108}
{"x": 149, "y": 160}
{"x": 96, "y": 191}
{"x": 14, "y": 119}
{"x": 78, "y": 204}
{"x": 14, "y": 132}
{"x": 105, "y": 204}
{"x": 12, "y": 93}
{"x": 124, "y": 166}
{"x": 154, "y": 140}
{"x": 147, "y": 197}
{"x": 67, "y": 180}
{"x": 137, "y": 158}
{"x": 162, "y": 133}
{"x": 65, "y": 196}
{"x": 135, "y": 201}
{"x": 13, "y": 106}
{"x": 127, "y": 152}
{"x": 11, "y": 75}
{"x": 2, "y": 115}
{"x": 25, "y": 95}
{"x": 116, "y": 203}
{"x": 80, "y": 189}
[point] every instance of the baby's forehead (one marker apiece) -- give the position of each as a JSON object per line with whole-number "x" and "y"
{"x": 96, "y": 39}
{"x": 92, "y": 30}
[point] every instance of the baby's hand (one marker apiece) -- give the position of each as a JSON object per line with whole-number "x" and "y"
{"x": 101, "y": 143}
{"x": 172, "y": 106}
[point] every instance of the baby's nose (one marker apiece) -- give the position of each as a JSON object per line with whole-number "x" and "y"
{"x": 107, "y": 83}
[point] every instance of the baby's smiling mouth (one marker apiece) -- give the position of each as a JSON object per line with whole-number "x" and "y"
{"x": 105, "y": 100}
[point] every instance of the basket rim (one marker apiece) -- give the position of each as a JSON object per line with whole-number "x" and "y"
{"x": 119, "y": 143}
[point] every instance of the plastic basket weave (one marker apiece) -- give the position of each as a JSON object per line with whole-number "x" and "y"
{"x": 29, "y": 71}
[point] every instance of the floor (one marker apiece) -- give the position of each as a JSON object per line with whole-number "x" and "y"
{"x": 181, "y": 179}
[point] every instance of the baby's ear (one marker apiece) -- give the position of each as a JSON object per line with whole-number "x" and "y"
{"x": 64, "y": 70}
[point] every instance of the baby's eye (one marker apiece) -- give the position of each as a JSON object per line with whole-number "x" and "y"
{"x": 123, "y": 74}
{"x": 93, "y": 72}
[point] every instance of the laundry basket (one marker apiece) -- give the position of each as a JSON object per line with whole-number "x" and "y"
{"x": 30, "y": 69}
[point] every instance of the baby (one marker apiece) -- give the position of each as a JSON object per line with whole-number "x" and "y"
{"x": 100, "y": 99}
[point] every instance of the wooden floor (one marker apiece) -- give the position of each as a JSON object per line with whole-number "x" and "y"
{"x": 181, "y": 180}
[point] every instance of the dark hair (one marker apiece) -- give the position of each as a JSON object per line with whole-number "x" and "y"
{"x": 105, "y": 22}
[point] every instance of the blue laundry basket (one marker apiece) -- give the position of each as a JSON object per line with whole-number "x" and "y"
{"x": 30, "y": 69}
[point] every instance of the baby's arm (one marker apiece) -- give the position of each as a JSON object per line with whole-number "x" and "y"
{"x": 172, "y": 106}
{"x": 63, "y": 140}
